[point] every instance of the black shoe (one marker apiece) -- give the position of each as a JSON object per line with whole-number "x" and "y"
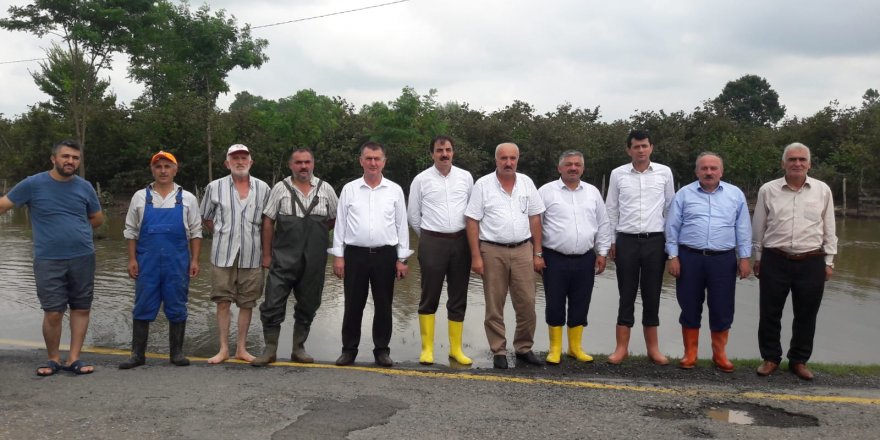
{"x": 346, "y": 358}
{"x": 529, "y": 358}
{"x": 499, "y": 361}
{"x": 384, "y": 360}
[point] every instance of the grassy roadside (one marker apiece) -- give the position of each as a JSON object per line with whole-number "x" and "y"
{"x": 838, "y": 370}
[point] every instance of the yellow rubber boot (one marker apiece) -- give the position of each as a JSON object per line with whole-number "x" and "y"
{"x": 574, "y": 344}
{"x": 426, "y": 328}
{"x": 455, "y": 329}
{"x": 555, "y": 353}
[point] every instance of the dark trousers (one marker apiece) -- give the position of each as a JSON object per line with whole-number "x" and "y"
{"x": 806, "y": 281}
{"x": 368, "y": 270}
{"x": 640, "y": 262}
{"x": 706, "y": 278}
{"x": 444, "y": 258}
{"x": 568, "y": 278}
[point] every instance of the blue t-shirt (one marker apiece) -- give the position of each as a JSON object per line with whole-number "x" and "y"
{"x": 59, "y": 213}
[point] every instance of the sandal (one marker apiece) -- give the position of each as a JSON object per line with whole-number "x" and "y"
{"x": 77, "y": 367}
{"x": 53, "y": 367}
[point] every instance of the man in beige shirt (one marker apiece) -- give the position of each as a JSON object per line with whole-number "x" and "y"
{"x": 795, "y": 243}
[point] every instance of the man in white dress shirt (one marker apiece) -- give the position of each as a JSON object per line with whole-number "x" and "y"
{"x": 504, "y": 235}
{"x": 438, "y": 197}
{"x": 575, "y": 230}
{"x": 231, "y": 208}
{"x": 639, "y": 196}
{"x": 370, "y": 246}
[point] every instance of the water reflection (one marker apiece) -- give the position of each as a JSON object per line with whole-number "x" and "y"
{"x": 848, "y": 313}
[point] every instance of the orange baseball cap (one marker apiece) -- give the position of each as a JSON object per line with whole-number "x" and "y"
{"x": 163, "y": 155}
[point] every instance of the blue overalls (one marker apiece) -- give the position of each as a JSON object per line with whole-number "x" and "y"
{"x": 163, "y": 262}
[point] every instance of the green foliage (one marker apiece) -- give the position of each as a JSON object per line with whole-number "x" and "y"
{"x": 750, "y": 100}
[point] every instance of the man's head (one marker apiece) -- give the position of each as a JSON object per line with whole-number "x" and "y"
{"x": 442, "y": 152}
{"x": 639, "y": 147}
{"x": 571, "y": 166}
{"x": 163, "y": 165}
{"x": 239, "y": 160}
{"x": 302, "y": 165}
{"x": 796, "y": 161}
{"x": 66, "y": 157}
{"x": 506, "y": 159}
{"x": 709, "y": 169}
{"x": 372, "y": 159}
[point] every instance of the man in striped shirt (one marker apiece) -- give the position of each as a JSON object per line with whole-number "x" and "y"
{"x": 232, "y": 209}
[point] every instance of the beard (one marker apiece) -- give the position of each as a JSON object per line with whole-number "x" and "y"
{"x": 61, "y": 171}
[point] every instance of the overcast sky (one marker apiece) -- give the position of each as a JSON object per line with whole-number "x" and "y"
{"x": 622, "y": 56}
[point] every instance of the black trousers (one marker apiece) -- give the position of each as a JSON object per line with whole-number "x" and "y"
{"x": 444, "y": 258}
{"x": 368, "y": 270}
{"x": 805, "y": 280}
{"x": 568, "y": 278}
{"x": 640, "y": 262}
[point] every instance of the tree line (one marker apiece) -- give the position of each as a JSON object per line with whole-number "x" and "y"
{"x": 182, "y": 57}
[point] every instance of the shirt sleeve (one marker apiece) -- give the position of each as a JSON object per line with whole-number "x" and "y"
{"x": 134, "y": 216}
{"x": 743, "y": 227}
{"x": 207, "y": 207}
{"x": 193, "y": 217}
{"x": 332, "y": 200}
{"x": 474, "y": 208}
{"x": 93, "y": 205}
{"x": 603, "y": 231}
{"x": 673, "y": 224}
{"x": 536, "y": 203}
{"x": 403, "y": 250}
{"x": 668, "y": 191}
{"x": 20, "y": 194}
{"x": 759, "y": 223}
{"x": 338, "y": 249}
{"x": 612, "y": 205}
{"x": 829, "y": 236}
{"x": 414, "y": 210}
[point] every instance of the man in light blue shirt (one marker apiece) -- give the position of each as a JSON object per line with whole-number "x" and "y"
{"x": 708, "y": 241}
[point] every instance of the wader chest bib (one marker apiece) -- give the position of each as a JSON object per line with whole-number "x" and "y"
{"x": 163, "y": 262}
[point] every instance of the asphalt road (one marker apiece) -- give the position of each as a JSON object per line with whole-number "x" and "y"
{"x": 289, "y": 401}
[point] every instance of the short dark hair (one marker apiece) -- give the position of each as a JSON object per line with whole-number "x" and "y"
{"x": 372, "y": 145}
{"x": 439, "y": 140}
{"x": 70, "y": 143}
{"x": 302, "y": 150}
{"x": 638, "y": 135}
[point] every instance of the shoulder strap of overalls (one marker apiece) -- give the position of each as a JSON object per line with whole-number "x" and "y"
{"x": 302, "y": 207}
{"x": 179, "y": 199}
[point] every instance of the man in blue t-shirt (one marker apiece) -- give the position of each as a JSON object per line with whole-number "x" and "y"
{"x": 64, "y": 209}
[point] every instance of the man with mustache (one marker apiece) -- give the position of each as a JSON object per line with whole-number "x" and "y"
{"x": 64, "y": 209}
{"x": 576, "y": 239}
{"x": 639, "y": 195}
{"x": 438, "y": 197}
{"x": 164, "y": 232}
{"x": 232, "y": 208}
{"x": 370, "y": 246}
{"x": 708, "y": 239}
{"x": 296, "y": 223}
{"x": 504, "y": 236}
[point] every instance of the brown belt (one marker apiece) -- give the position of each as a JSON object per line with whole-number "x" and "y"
{"x": 797, "y": 257}
{"x": 458, "y": 234}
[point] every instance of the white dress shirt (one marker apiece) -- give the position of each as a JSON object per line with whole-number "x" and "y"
{"x": 574, "y": 221}
{"x": 638, "y": 202}
{"x": 437, "y": 202}
{"x": 192, "y": 220}
{"x": 503, "y": 217}
{"x": 371, "y": 217}
{"x": 237, "y": 221}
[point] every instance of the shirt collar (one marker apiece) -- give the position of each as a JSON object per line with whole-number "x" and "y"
{"x": 632, "y": 169}
{"x": 561, "y": 184}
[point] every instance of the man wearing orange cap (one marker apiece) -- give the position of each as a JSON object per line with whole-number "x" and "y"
{"x": 164, "y": 232}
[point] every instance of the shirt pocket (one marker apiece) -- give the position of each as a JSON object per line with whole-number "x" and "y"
{"x": 812, "y": 211}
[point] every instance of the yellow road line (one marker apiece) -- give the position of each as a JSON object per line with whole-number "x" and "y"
{"x": 754, "y": 395}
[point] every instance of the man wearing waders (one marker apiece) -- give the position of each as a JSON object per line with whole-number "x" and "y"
{"x": 164, "y": 232}
{"x": 296, "y": 222}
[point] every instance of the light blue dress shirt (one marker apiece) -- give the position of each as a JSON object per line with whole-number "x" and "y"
{"x": 716, "y": 221}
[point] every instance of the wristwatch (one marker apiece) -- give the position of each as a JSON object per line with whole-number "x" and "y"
{"x": 402, "y": 261}
{"x": 672, "y": 257}
{"x": 539, "y": 254}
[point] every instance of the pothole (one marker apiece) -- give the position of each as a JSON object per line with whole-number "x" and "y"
{"x": 739, "y": 414}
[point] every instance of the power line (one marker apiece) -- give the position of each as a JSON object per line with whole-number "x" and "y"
{"x": 266, "y": 25}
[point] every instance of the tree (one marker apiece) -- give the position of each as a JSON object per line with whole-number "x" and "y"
{"x": 750, "y": 100}
{"x": 91, "y": 32}
{"x": 192, "y": 52}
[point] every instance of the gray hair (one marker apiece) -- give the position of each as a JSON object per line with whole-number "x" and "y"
{"x": 704, "y": 154}
{"x": 503, "y": 144}
{"x": 570, "y": 153}
{"x": 795, "y": 146}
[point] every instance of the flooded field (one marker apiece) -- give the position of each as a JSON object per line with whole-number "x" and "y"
{"x": 847, "y": 326}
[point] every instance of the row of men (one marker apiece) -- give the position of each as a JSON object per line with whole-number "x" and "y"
{"x": 501, "y": 227}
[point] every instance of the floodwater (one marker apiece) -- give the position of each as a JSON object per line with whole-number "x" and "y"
{"x": 846, "y": 332}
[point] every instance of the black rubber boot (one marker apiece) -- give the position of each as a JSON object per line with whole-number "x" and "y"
{"x": 140, "y": 331}
{"x": 300, "y": 334}
{"x": 270, "y": 336}
{"x": 176, "y": 331}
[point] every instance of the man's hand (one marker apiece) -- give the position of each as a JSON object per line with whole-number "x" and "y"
{"x": 612, "y": 252}
{"x": 339, "y": 267}
{"x": 133, "y": 269}
{"x": 744, "y": 269}
{"x": 266, "y": 261}
{"x": 402, "y": 270}
{"x": 756, "y": 269}
{"x": 829, "y": 271}
{"x": 673, "y": 266}
{"x": 477, "y": 265}
{"x": 539, "y": 263}
{"x": 601, "y": 262}
{"x": 193, "y": 267}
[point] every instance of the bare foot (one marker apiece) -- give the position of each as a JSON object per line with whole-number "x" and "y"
{"x": 244, "y": 356}
{"x": 219, "y": 358}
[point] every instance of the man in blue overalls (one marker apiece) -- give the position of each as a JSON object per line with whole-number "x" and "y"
{"x": 164, "y": 232}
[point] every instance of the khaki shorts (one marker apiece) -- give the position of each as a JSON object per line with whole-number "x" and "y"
{"x": 234, "y": 284}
